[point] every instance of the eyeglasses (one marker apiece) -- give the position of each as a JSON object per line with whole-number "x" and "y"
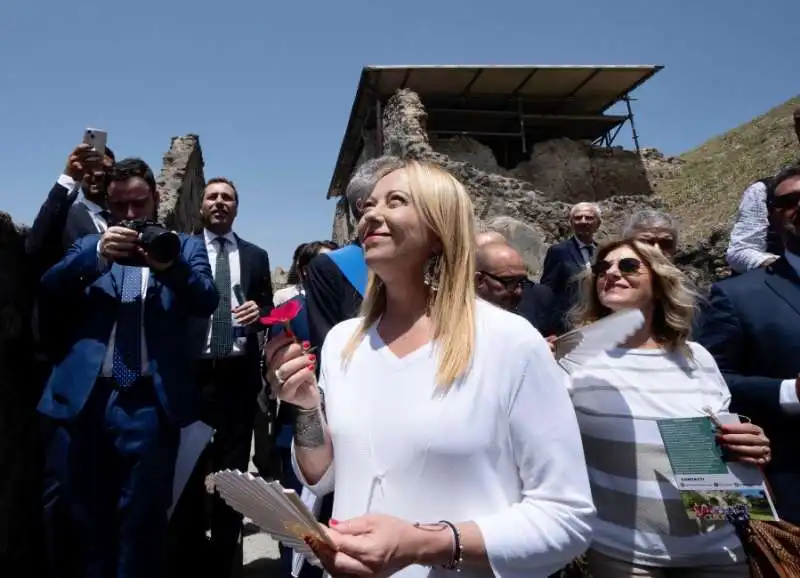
{"x": 626, "y": 266}
{"x": 510, "y": 283}
{"x": 666, "y": 244}
{"x": 787, "y": 201}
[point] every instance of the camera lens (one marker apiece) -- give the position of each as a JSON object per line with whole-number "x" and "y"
{"x": 164, "y": 246}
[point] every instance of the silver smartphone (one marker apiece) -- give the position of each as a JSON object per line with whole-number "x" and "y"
{"x": 96, "y": 138}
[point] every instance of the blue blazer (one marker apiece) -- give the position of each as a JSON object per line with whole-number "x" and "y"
{"x": 80, "y": 303}
{"x": 751, "y": 325}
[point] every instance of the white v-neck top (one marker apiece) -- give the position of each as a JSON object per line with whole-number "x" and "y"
{"x": 501, "y": 448}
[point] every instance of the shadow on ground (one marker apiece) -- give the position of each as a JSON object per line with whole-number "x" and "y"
{"x": 262, "y": 568}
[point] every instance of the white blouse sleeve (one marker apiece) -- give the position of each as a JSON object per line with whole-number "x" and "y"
{"x": 551, "y": 526}
{"x": 325, "y": 484}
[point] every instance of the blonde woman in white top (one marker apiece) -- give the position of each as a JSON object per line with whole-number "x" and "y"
{"x": 446, "y": 430}
{"x": 642, "y": 528}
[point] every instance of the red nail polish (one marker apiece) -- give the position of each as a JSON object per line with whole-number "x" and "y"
{"x": 306, "y": 344}
{"x": 311, "y": 367}
{"x": 312, "y": 357}
{"x": 334, "y": 522}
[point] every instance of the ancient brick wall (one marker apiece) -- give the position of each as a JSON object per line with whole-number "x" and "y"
{"x": 181, "y": 183}
{"x": 532, "y": 218}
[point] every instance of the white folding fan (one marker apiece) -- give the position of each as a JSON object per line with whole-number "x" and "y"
{"x": 574, "y": 347}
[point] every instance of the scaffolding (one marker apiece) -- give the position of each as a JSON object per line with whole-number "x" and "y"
{"x": 497, "y": 105}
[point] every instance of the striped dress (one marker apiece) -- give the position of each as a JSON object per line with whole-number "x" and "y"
{"x": 618, "y": 397}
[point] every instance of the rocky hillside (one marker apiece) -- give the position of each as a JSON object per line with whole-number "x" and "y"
{"x": 530, "y": 202}
{"x": 704, "y": 189}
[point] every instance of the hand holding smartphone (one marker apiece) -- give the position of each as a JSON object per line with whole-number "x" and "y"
{"x": 96, "y": 138}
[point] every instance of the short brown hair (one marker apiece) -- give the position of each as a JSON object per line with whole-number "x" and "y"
{"x": 226, "y": 181}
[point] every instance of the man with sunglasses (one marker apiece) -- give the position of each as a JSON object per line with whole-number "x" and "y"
{"x": 655, "y": 228}
{"x": 752, "y": 328}
{"x": 502, "y": 279}
{"x": 755, "y": 240}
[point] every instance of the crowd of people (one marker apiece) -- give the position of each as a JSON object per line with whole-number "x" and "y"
{"x": 417, "y": 397}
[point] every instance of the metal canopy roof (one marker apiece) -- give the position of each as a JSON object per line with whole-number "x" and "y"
{"x": 553, "y": 101}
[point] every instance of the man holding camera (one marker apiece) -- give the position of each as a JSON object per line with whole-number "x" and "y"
{"x": 123, "y": 381}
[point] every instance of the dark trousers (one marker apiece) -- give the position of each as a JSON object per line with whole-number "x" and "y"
{"x": 112, "y": 468}
{"x": 229, "y": 405}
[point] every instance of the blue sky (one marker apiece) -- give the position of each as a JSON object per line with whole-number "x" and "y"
{"x": 268, "y": 85}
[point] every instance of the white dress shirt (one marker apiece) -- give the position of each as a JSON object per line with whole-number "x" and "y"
{"x": 95, "y": 210}
{"x": 232, "y": 249}
{"x": 748, "y": 246}
{"x": 789, "y": 401}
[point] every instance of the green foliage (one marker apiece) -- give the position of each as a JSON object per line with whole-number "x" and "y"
{"x": 705, "y": 192}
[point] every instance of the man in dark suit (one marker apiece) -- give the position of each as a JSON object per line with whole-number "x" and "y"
{"x": 229, "y": 375}
{"x": 501, "y": 278}
{"x": 64, "y": 217}
{"x": 122, "y": 385}
{"x": 752, "y": 328}
{"x": 565, "y": 260}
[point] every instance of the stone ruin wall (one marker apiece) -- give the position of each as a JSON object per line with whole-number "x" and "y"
{"x": 529, "y": 203}
{"x": 180, "y": 185}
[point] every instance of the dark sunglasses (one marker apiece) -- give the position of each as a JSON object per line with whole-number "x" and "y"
{"x": 510, "y": 283}
{"x": 787, "y": 201}
{"x": 626, "y": 266}
{"x": 665, "y": 244}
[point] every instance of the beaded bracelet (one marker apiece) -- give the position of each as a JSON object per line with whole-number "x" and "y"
{"x": 457, "y": 563}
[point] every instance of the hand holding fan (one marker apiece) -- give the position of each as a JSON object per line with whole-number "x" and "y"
{"x": 575, "y": 347}
{"x": 273, "y": 508}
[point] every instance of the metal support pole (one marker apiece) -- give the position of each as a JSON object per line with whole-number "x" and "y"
{"x": 522, "y": 126}
{"x": 633, "y": 126}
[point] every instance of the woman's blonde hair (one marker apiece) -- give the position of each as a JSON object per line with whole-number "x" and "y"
{"x": 446, "y": 209}
{"x": 674, "y": 299}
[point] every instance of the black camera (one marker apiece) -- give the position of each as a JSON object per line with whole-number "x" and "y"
{"x": 160, "y": 243}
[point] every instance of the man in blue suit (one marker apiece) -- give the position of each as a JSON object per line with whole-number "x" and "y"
{"x": 751, "y": 326}
{"x": 123, "y": 381}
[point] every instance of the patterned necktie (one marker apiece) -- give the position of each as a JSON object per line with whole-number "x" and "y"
{"x": 127, "y": 366}
{"x": 589, "y": 253}
{"x": 221, "y": 321}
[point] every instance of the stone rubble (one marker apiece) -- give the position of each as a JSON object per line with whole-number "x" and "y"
{"x": 530, "y": 203}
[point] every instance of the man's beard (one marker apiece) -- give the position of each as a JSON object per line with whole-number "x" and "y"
{"x": 791, "y": 233}
{"x": 94, "y": 192}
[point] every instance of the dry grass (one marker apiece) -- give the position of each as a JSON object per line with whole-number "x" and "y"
{"x": 704, "y": 193}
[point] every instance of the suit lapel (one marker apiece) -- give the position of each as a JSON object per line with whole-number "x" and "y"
{"x": 577, "y": 254}
{"x": 113, "y": 282}
{"x": 246, "y": 263}
{"x": 783, "y": 280}
{"x": 84, "y": 224}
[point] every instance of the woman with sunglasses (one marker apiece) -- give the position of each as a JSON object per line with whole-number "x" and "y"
{"x": 642, "y": 528}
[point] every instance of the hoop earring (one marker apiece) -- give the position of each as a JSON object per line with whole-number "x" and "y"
{"x": 433, "y": 269}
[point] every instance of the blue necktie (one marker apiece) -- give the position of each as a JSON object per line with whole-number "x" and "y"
{"x": 127, "y": 365}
